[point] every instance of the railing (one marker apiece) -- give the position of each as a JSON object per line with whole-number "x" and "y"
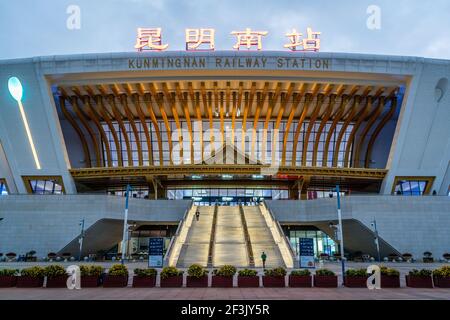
{"x": 248, "y": 243}
{"x": 212, "y": 238}
{"x": 281, "y": 240}
{"x": 176, "y": 238}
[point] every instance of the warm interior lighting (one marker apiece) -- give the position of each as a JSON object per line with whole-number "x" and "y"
{"x": 16, "y": 91}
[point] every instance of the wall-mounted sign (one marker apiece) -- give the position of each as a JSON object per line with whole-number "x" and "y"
{"x": 306, "y": 252}
{"x": 204, "y": 40}
{"x": 155, "y": 252}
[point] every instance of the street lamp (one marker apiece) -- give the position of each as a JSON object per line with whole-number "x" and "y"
{"x": 81, "y": 238}
{"x": 125, "y": 224}
{"x": 339, "y": 230}
{"x": 377, "y": 242}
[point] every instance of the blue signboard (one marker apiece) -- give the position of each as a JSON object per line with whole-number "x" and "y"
{"x": 306, "y": 251}
{"x": 155, "y": 252}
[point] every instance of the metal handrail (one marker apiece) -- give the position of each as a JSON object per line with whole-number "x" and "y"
{"x": 212, "y": 237}
{"x": 248, "y": 242}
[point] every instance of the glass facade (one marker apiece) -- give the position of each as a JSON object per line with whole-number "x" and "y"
{"x": 45, "y": 187}
{"x": 262, "y": 152}
{"x": 227, "y": 196}
{"x": 323, "y": 244}
{"x": 410, "y": 187}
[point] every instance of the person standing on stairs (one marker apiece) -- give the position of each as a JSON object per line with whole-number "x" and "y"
{"x": 197, "y": 214}
{"x": 264, "y": 258}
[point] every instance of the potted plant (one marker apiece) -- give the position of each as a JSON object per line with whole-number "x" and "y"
{"x": 91, "y": 276}
{"x": 441, "y": 277}
{"x": 56, "y": 276}
{"x": 29, "y": 256}
{"x": 144, "y": 278}
{"x": 274, "y": 278}
{"x": 356, "y": 278}
{"x": 248, "y": 278}
{"x": 51, "y": 256}
{"x": 446, "y": 256}
{"x": 197, "y": 276}
{"x": 428, "y": 257}
{"x": 117, "y": 277}
{"x": 11, "y": 256}
{"x": 171, "y": 277}
{"x": 66, "y": 256}
{"x": 8, "y": 278}
{"x": 223, "y": 278}
{"x": 390, "y": 278}
{"x": 419, "y": 279}
{"x": 325, "y": 278}
{"x": 300, "y": 279}
{"x": 408, "y": 257}
{"x": 31, "y": 278}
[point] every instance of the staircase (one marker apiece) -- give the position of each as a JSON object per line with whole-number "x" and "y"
{"x": 230, "y": 235}
{"x": 195, "y": 249}
{"x": 262, "y": 239}
{"x": 229, "y": 247}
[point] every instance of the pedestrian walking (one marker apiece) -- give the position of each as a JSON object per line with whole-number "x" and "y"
{"x": 264, "y": 258}
{"x": 197, "y": 214}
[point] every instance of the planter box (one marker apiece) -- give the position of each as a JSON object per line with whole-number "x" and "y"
{"x": 115, "y": 281}
{"x": 390, "y": 281}
{"x": 8, "y": 281}
{"x": 192, "y": 282}
{"x": 90, "y": 281}
{"x": 442, "y": 282}
{"x": 325, "y": 281}
{"x": 144, "y": 282}
{"x": 419, "y": 282}
{"x": 300, "y": 281}
{"x": 172, "y": 282}
{"x": 222, "y": 282}
{"x": 57, "y": 282}
{"x": 355, "y": 282}
{"x": 248, "y": 282}
{"x": 274, "y": 282}
{"x": 29, "y": 282}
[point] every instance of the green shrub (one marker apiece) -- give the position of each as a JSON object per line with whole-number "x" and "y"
{"x": 225, "y": 271}
{"x": 33, "y": 272}
{"x": 247, "y": 273}
{"x": 118, "y": 270}
{"x": 443, "y": 272}
{"x": 9, "y": 272}
{"x": 196, "y": 271}
{"x": 91, "y": 271}
{"x": 54, "y": 271}
{"x": 356, "y": 273}
{"x": 168, "y": 272}
{"x": 324, "y": 272}
{"x": 277, "y": 272}
{"x": 301, "y": 273}
{"x": 385, "y": 271}
{"x": 145, "y": 272}
{"x": 420, "y": 273}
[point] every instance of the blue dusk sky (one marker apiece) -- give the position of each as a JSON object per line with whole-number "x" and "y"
{"x": 402, "y": 27}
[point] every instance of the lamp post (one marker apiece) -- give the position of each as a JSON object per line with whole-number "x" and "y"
{"x": 125, "y": 225}
{"x": 377, "y": 242}
{"x": 341, "y": 235}
{"x": 81, "y": 238}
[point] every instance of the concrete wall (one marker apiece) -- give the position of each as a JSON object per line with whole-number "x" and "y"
{"x": 48, "y": 223}
{"x": 408, "y": 224}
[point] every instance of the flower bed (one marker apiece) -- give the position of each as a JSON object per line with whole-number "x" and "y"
{"x": 117, "y": 277}
{"x": 223, "y": 278}
{"x": 8, "y": 278}
{"x": 144, "y": 278}
{"x": 171, "y": 277}
{"x": 197, "y": 277}
{"x": 419, "y": 279}
{"x": 31, "y": 278}
{"x": 300, "y": 279}
{"x": 56, "y": 276}
{"x": 274, "y": 278}
{"x": 248, "y": 279}
{"x": 325, "y": 279}
{"x": 91, "y": 276}
{"x": 441, "y": 277}
{"x": 356, "y": 278}
{"x": 390, "y": 278}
